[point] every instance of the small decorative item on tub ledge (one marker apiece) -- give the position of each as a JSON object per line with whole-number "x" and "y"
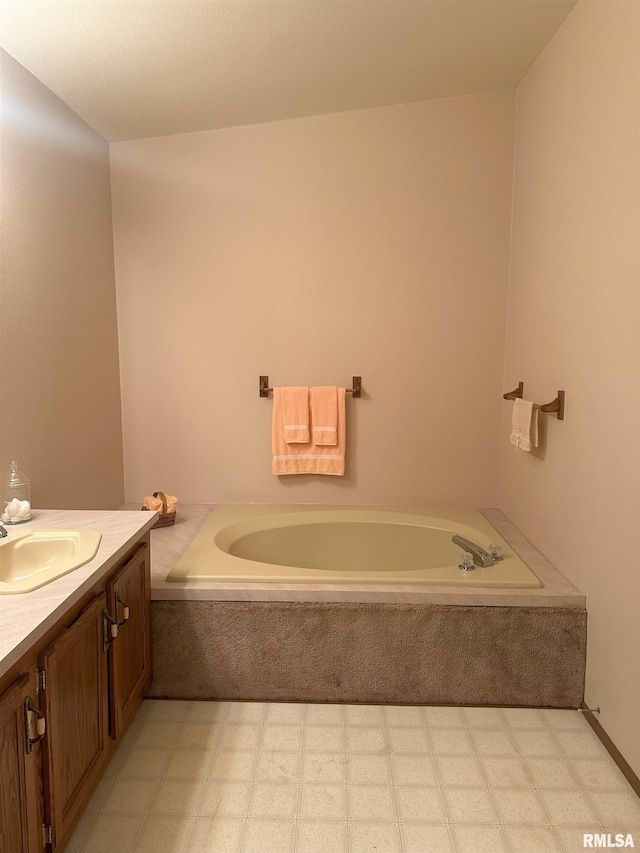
{"x": 165, "y": 505}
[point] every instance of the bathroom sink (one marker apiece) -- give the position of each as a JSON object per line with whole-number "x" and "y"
{"x": 32, "y": 558}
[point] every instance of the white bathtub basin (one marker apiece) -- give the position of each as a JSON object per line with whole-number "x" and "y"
{"x": 32, "y": 558}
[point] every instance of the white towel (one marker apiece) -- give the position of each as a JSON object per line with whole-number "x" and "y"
{"x": 524, "y": 425}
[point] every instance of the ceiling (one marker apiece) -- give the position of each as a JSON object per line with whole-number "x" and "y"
{"x": 138, "y": 68}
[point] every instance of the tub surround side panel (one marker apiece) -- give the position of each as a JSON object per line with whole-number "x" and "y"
{"x": 60, "y": 414}
{"x": 373, "y": 242}
{"x": 400, "y": 653}
{"x": 573, "y": 324}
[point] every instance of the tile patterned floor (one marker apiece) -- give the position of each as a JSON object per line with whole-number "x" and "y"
{"x": 199, "y": 777}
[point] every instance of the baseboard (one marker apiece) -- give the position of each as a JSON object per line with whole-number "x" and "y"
{"x": 612, "y": 749}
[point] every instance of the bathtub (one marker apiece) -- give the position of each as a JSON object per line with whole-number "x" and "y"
{"x": 346, "y": 545}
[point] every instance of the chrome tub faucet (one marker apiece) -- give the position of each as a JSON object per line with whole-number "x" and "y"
{"x": 480, "y": 556}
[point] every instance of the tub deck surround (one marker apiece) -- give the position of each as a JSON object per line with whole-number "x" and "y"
{"x": 170, "y": 543}
{"x": 25, "y": 618}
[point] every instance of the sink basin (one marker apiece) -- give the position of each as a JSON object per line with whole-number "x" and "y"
{"x": 32, "y": 558}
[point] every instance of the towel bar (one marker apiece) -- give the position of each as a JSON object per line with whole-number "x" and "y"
{"x": 356, "y": 390}
{"x": 555, "y": 407}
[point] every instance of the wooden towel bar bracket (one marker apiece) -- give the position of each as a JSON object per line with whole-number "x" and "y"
{"x": 555, "y": 407}
{"x": 356, "y": 390}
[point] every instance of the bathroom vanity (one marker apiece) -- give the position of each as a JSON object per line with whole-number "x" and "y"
{"x": 75, "y": 663}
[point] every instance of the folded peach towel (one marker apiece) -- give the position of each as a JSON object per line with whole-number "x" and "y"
{"x": 524, "y": 425}
{"x": 323, "y": 403}
{"x": 295, "y": 414}
{"x": 155, "y": 504}
{"x": 307, "y": 458}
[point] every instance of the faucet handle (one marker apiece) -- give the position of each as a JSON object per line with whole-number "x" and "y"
{"x": 466, "y": 562}
{"x": 496, "y": 552}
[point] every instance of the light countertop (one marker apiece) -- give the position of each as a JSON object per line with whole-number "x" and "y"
{"x": 27, "y": 617}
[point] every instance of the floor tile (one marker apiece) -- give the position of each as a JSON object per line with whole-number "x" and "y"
{"x": 519, "y": 806}
{"x": 115, "y": 762}
{"x": 324, "y": 767}
{"x": 268, "y": 836}
{"x": 523, "y": 718}
{"x": 321, "y": 836}
{"x": 408, "y": 740}
{"x": 324, "y": 739}
{"x": 568, "y": 808}
{"x": 440, "y": 716}
{"x": 245, "y": 713}
{"x": 216, "y": 835}
{"x": 206, "y": 712}
{"x": 450, "y": 742}
{"x": 366, "y": 739}
{"x": 325, "y": 715}
{"x": 367, "y": 769}
{"x": 572, "y": 837}
{"x": 403, "y": 715}
{"x": 198, "y": 736}
{"x": 80, "y": 833}
{"x": 276, "y": 737}
{"x": 506, "y": 772}
{"x": 617, "y": 808}
{"x": 480, "y": 839}
{"x": 533, "y": 839}
{"x": 235, "y": 765}
{"x": 239, "y": 736}
{"x": 168, "y": 711}
{"x": 492, "y": 742}
{"x": 327, "y": 802}
{"x": 599, "y": 773}
{"x": 470, "y": 805}
{"x": 426, "y": 838}
{"x": 373, "y": 837}
{"x": 413, "y": 770}
{"x": 363, "y": 715}
{"x": 99, "y": 795}
{"x": 564, "y": 720}
{"x": 129, "y": 796}
{"x": 225, "y": 799}
{"x": 371, "y": 802}
{"x": 188, "y": 764}
{"x": 456, "y": 771}
{"x": 420, "y": 803}
{"x": 157, "y": 734}
{"x": 276, "y": 766}
{"x": 274, "y": 799}
{"x": 178, "y": 797}
{"x": 538, "y": 744}
{"x": 163, "y": 834}
{"x": 580, "y": 744}
{"x": 144, "y": 763}
{"x": 551, "y": 773}
{"x": 483, "y": 718}
{"x": 113, "y": 832}
{"x": 290, "y": 713}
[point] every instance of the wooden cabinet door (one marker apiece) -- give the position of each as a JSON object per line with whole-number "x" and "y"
{"x": 128, "y": 594}
{"x": 75, "y": 702}
{"x": 20, "y": 827}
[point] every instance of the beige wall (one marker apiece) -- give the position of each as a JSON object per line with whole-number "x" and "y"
{"x": 372, "y": 242}
{"x": 59, "y": 384}
{"x": 573, "y": 324}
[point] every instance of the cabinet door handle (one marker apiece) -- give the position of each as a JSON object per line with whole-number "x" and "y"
{"x": 125, "y": 610}
{"x": 109, "y": 629}
{"x": 34, "y": 723}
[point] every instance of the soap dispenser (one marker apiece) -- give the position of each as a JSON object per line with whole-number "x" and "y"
{"x": 16, "y": 496}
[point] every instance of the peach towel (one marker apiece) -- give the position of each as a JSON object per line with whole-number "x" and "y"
{"x": 307, "y": 458}
{"x": 323, "y": 402}
{"x": 295, "y": 414}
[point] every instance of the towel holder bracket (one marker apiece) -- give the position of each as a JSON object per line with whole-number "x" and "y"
{"x": 356, "y": 390}
{"x": 555, "y": 407}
